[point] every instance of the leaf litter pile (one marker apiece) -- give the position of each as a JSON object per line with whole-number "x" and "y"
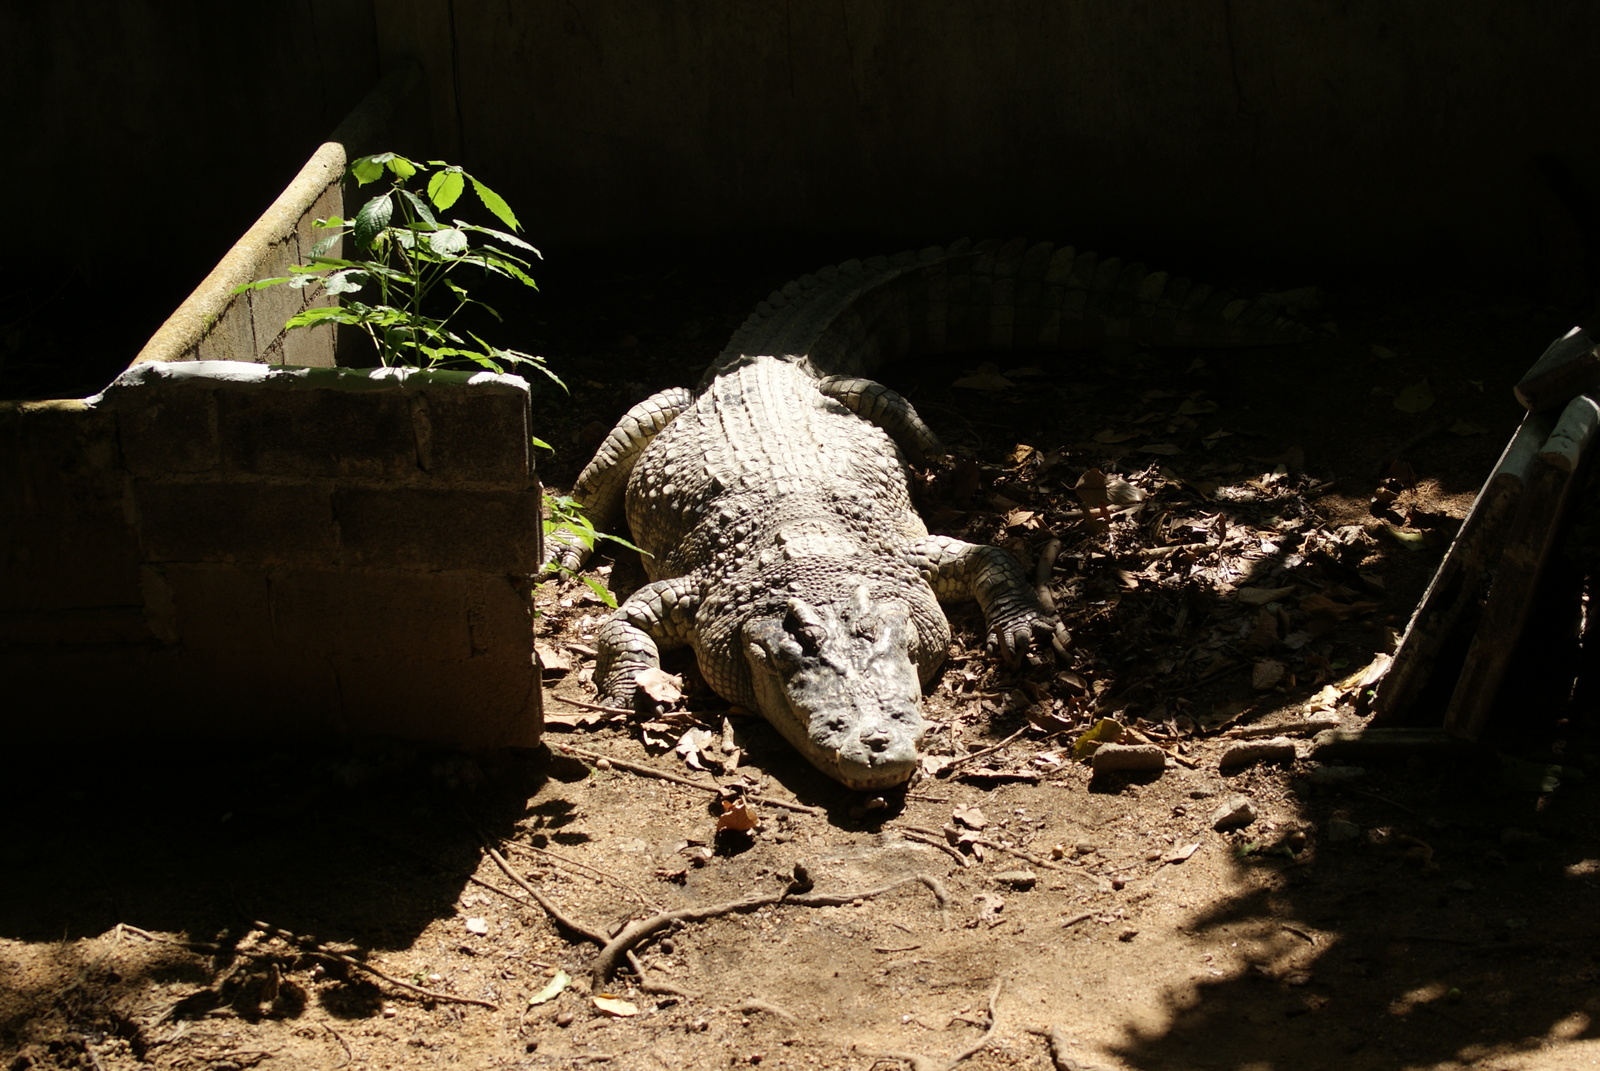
{"x": 1121, "y": 859}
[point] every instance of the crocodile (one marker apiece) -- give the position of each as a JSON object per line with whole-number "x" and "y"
{"x": 773, "y": 502}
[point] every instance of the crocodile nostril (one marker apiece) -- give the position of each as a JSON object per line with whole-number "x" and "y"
{"x": 876, "y": 739}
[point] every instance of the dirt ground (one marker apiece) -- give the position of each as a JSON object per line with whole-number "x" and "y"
{"x": 257, "y": 905}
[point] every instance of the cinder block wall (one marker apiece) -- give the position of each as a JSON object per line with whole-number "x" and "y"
{"x": 216, "y": 547}
{"x": 220, "y": 548}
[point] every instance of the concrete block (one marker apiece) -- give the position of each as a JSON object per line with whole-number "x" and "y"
{"x": 482, "y": 703}
{"x": 493, "y": 531}
{"x": 271, "y": 307}
{"x": 392, "y": 616}
{"x": 214, "y": 608}
{"x": 236, "y": 521}
{"x": 79, "y": 625}
{"x": 474, "y": 433}
{"x": 232, "y": 337}
{"x": 166, "y": 428}
{"x": 65, "y": 539}
{"x": 304, "y": 431}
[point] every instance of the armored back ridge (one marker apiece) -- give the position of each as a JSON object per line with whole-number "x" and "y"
{"x": 774, "y": 507}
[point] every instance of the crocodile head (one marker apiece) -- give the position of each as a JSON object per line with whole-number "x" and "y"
{"x": 839, "y": 682}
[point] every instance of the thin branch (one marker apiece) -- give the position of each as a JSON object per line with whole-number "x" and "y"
{"x": 976, "y": 755}
{"x": 639, "y": 929}
{"x": 647, "y": 771}
{"x": 316, "y": 948}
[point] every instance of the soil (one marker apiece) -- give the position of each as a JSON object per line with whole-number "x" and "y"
{"x": 261, "y": 905}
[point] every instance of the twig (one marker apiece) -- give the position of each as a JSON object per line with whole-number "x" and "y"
{"x": 1041, "y": 574}
{"x": 639, "y": 929}
{"x": 1063, "y": 1059}
{"x": 647, "y": 771}
{"x": 193, "y": 946}
{"x": 988, "y": 1035}
{"x": 923, "y": 1063}
{"x": 560, "y": 918}
{"x": 930, "y": 837}
{"x": 641, "y": 897}
{"x": 316, "y": 948}
{"x": 349, "y": 1056}
{"x": 937, "y": 842}
{"x": 753, "y": 1005}
{"x": 956, "y": 764}
{"x": 580, "y": 704}
{"x": 664, "y": 989}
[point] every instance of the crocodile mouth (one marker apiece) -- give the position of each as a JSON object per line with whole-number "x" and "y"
{"x": 839, "y": 683}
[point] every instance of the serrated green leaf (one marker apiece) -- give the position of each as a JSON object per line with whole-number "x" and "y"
{"x": 300, "y": 282}
{"x": 502, "y": 235}
{"x": 419, "y": 206}
{"x": 348, "y": 281}
{"x": 603, "y": 593}
{"x": 326, "y": 243}
{"x": 259, "y": 284}
{"x": 372, "y": 219}
{"x": 402, "y": 167}
{"x": 445, "y": 188}
{"x": 367, "y": 169}
{"x": 540, "y": 443}
{"x": 448, "y": 242}
{"x": 322, "y": 314}
{"x": 496, "y": 204}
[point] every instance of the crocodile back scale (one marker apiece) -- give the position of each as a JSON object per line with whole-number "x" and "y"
{"x": 773, "y": 503}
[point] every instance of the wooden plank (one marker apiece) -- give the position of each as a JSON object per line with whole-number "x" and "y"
{"x": 1569, "y": 367}
{"x": 1540, "y": 510}
{"x": 1458, "y": 581}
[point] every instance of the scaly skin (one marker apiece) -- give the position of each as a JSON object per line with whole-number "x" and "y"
{"x": 774, "y": 506}
{"x": 783, "y": 547}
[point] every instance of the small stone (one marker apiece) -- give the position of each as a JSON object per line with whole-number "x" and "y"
{"x": 1017, "y": 879}
{"x": 1336, "y": 775}
{"x": 1342, "y": 829}
{"x": 1129, "y": 757}
{"x": 564, "y": 1018}
{"x": 1127, "y": 935}
{"x": 1280, "y": 749}
{"x": 390, "y": 1011}
{"x": 1237, "y": 813}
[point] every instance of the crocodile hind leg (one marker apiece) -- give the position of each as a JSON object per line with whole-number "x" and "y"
{"x": 604, "y": 481}
{"x": 1016, "y": 619}
{"x": 657, "y": 615}
{"x": 877, "y": 404}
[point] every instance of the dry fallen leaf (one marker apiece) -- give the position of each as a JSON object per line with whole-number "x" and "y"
{"x": 552, "y": 989}
{"x": 1265, "y": 675}
{"x": 970, "y": 815}
{"x": 614, "y": 1005}
{"x": 659, "y": 685}
{"x": 738, "y": 816}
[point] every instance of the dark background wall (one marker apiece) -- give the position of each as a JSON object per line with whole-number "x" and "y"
{"x": 142, "y": 139}
{"x": 1449, "y": 137}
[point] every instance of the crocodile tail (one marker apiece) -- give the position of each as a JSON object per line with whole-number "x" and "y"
{"x": 853, "y": 317}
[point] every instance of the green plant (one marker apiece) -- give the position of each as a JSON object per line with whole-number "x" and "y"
{"x": 410, "y": 253}
{"x": 403, "y": 254}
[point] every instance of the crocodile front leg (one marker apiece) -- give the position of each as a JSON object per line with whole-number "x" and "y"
{"x": 604, "y": 481}
{"x": 1016, "y": 618}
{"x": 877, "y": 404}
{"x": 658, "y": 615}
